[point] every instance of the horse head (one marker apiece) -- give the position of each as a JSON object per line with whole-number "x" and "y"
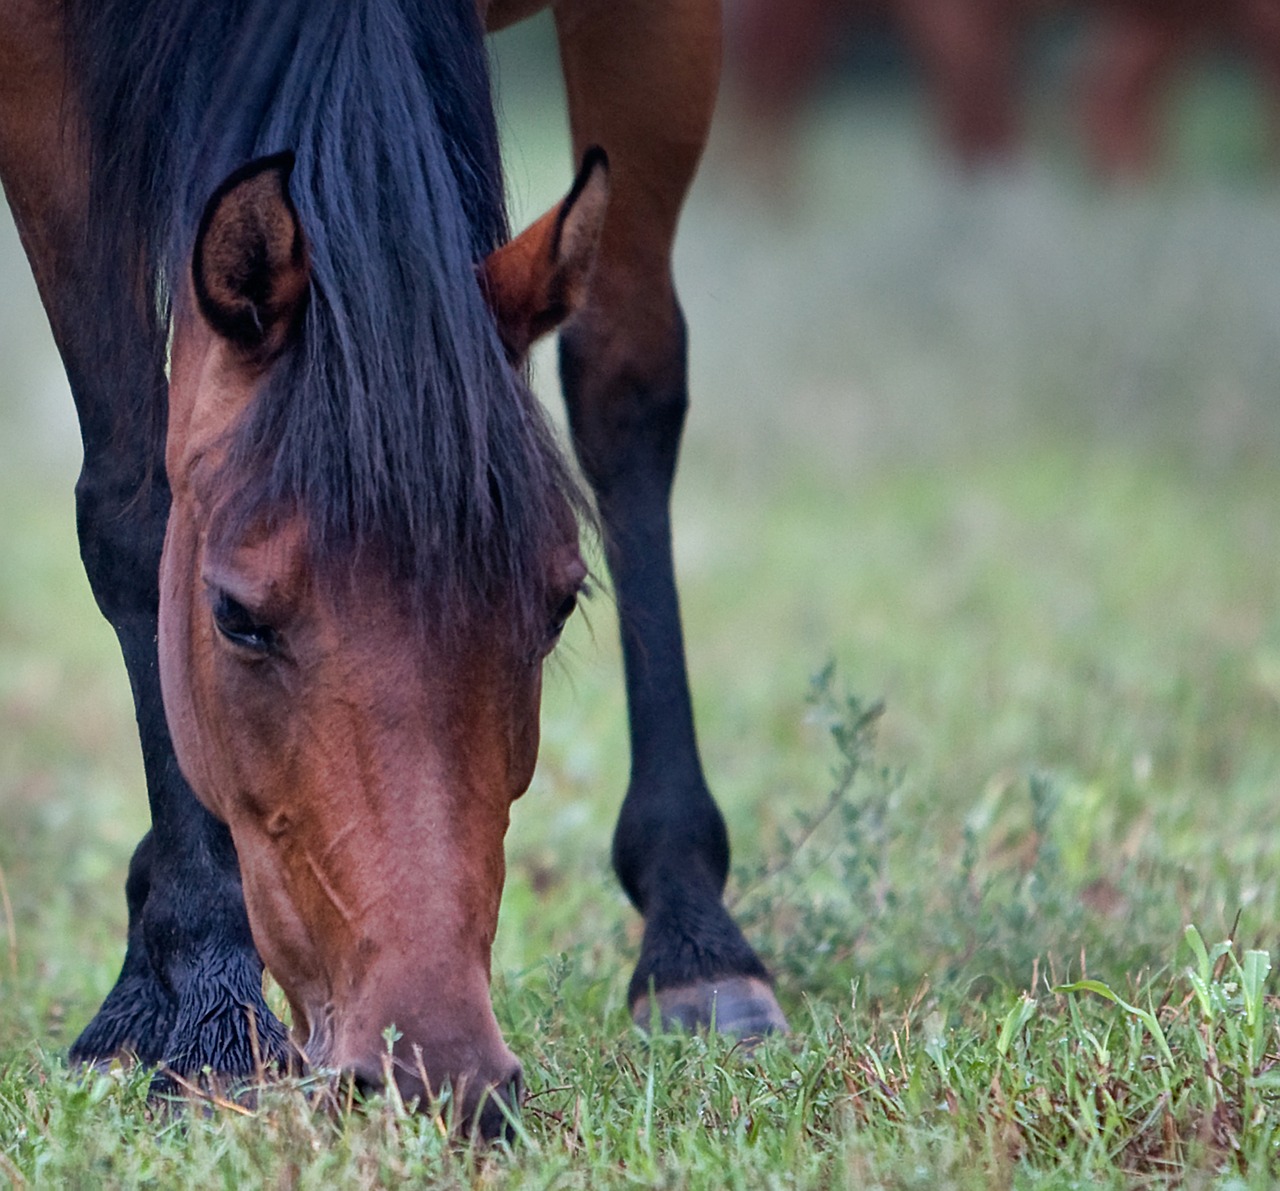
{"x": 363, "y": 747}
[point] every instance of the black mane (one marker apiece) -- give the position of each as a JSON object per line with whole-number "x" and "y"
{"x": 395, "y": 420}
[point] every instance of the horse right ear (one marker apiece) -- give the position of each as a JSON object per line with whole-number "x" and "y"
{"x": 250, "y": 268}
{"x": 541, "y": 277}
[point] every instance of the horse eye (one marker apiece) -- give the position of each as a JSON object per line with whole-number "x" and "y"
{"x": 566, "y": 609}
{"x": 237, "y": 624}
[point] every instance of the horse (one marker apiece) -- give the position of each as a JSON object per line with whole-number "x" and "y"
{"x": 966, "y": 51}
{"x": 327, "y": 519}
{"x": 1134, "y": 49}
{"x": 968, "y": 54}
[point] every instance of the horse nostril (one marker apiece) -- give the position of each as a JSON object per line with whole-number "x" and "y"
{"x": 500, "y": 1106}
{"x": 365, "y": 1080}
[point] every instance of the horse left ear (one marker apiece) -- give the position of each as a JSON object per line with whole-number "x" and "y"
{"x": 534, "y": 283}
{"x": 250, "y": 267}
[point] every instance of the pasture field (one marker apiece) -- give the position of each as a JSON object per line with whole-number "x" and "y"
{"x": 979, "y": 535}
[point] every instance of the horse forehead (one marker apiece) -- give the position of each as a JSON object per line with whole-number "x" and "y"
{"x": 259, "y": 549}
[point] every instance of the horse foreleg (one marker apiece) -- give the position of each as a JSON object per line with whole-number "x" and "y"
{"x": 1257, "y": 32}
{"x": 968, "y": 53}
{"x": 1129, "y": 59}
{"x": 641, "y": 78}
{"x": 190, "y": 992}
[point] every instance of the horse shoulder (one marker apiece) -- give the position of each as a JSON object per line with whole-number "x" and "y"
{"x": 42, "y": 165}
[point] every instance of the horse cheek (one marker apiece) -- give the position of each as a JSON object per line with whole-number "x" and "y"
{"x": 179, "y": 673}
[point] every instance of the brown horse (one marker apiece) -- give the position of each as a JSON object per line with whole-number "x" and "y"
{"x": 1134, "y": 50}
{"x": 326, "y": 518}
{"x": 968, "y": 51}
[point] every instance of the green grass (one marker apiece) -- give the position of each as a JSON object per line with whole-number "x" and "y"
{"x": 1078, "y": 758}
{"x": 1005, "y": 455}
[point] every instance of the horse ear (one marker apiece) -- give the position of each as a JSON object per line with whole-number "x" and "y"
{"x": 534, "y": 283}
{"x": 250, "y": 267}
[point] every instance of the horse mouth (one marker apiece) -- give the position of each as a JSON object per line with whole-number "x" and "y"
{"x": 484, "y": 1107}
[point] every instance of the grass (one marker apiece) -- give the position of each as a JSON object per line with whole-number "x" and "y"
{"x": 1004, "y": 454}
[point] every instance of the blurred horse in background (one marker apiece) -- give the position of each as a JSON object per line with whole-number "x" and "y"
{"x": 969, "y": 55}
{"x": 1134, "y": 50}
{"x": 966, "y": 50}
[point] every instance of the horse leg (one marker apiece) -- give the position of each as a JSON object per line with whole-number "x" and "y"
{"x": 968, "y": 51}
{"x": 1257, "y": 32}
{"x": 1131, "y": 53}
{"x": 778, "y": 55}
{"x": 190, "y": 991}
{"x": 641, "y": 78}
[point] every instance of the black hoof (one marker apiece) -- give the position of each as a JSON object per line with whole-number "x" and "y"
{"x": 229, "y": 1039}
{"x": 135, "y": 1020}
{"x": 742, "y": 1006}
{"x": 227, "y": 1032}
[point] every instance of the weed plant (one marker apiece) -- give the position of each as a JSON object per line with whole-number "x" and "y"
{"x": 969, "y": 1079}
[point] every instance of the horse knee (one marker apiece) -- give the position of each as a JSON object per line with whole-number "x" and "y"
{"x": 627, "y": 400}
{"x": 120, "y": 523}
